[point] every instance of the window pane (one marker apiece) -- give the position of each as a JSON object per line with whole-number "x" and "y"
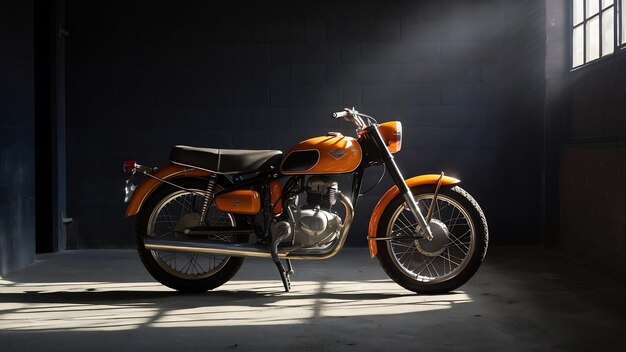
{"x": 592, "y": 7}
{"x": 593, "y": 39}
{"x": 578, "y": 11}
{"x": 623, "y": 36}
{"x": 577, "y": 46}
{"x": 606, "y": 3}
{"x": 607, "y": 32}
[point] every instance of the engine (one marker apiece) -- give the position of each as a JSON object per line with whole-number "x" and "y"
{"x": 321, "y": 191}
{"x": 312, "y": 224}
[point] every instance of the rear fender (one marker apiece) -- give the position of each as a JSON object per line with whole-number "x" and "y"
{"x": 391, "y": 194}
{"x": 168, "y": 172}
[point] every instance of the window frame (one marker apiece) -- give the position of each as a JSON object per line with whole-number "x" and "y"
{"x": 619, "y": 41}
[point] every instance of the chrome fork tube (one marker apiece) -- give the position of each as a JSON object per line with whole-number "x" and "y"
{"x": 408, "y": 198}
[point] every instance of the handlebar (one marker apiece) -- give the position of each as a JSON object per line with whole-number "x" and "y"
{"x": 354, "y": 116}
{"x": 339, "y": 114}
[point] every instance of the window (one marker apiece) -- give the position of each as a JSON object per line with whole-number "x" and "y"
{"x": 597, "y": 29}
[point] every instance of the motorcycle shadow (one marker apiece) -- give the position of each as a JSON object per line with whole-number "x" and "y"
{"x": 254, "y": 298}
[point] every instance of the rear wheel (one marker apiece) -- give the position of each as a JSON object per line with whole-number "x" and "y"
{"x": 166, "y": 214}
{"x": 459, "y": 244}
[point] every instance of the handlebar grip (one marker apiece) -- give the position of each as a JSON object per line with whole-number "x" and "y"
{"x": 339, "y": 114}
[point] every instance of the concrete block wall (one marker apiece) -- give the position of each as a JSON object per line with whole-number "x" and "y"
{"x": 465, "y": 77}
{"x": 17, "y": 152}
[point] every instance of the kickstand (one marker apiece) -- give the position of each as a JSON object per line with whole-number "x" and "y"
{"x": 289, "y": 268}
{"x": 284, "y": 274}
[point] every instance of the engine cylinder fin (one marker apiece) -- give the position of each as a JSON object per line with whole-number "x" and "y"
{"x": 322, "y": 191}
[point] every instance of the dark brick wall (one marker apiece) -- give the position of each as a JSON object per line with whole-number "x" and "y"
{"x": 593, "y": 204}
{"x": 598, "y": 102}
{"x": 465, "y": 77}
{"x": 17, "y": 152}
{"x": 593, "y": 166}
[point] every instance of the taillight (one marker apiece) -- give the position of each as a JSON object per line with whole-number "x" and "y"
{"x": 129, "y": 165}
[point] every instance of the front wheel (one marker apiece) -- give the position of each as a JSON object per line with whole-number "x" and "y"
{"x": 450, "y": 259}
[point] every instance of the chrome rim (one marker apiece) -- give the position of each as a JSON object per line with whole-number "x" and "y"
{"x": 175, "y": 212}
{"x": 439, "y": 264}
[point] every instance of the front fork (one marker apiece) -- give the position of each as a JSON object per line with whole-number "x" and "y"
{"x": 423, "y": 230}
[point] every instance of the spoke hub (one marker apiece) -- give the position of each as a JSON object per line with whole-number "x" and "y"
{"x": 186, "y": 222}
{"x": 439, "y": 242}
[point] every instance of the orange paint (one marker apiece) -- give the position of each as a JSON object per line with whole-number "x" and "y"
{"x": 392, "y": 135}
{"x": 241, "y": 201}
{"x": 276, "y": 193}
{"x": 391, "y": 194}
{"x": 337, "y": 154}
{"x": 148, "y": 186}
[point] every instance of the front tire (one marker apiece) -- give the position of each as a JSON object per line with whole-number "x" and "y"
{"x": 166, "y": 213}
{"x": 453, "y": 256}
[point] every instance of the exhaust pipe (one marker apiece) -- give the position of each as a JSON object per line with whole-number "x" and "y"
{"x": 211, "y": 247}
{"x": 253, "y": 250}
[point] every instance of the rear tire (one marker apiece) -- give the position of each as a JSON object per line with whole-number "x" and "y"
{"x": 168, "y": 210}
{"x": 454, "y": 254}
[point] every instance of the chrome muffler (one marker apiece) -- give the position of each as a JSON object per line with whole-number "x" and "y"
{"x": 254, "y": 250}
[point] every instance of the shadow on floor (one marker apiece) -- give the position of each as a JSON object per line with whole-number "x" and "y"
{"x": 522, "y": 299}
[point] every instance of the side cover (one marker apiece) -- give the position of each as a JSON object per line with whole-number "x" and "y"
{"x": 391, "y": 194}
{"x": 241, "y": 201}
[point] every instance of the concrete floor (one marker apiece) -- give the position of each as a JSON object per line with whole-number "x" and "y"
{"x": 522, "y": 299}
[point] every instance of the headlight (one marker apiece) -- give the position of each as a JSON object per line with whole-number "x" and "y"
{"x": 392, "y": 135}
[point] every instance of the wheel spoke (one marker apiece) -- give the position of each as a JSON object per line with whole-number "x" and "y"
{"x": 457, "y": 243}
{"x": 410, "y": 245}
{"x": 185, "y": 268}
{"x": 409, "y": 254}
{"x": 409, "y": 249}
{"x": 456, "y": 221}
{"x": 426, "y": 267}
{"x": 406, "y": 223}
{"x": 449, "y": 259}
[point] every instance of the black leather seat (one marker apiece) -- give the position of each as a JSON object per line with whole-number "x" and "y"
{"x": 224, "y": 161}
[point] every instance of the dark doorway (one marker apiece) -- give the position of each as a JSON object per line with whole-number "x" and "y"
{"x": 49, "y": 124}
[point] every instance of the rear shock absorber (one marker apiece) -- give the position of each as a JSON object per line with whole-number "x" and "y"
{"x": 208, "y": 197}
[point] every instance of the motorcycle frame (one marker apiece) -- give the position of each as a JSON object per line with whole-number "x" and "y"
{"x": 375, "y": 152}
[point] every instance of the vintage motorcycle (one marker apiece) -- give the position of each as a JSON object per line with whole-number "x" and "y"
{"x": 200, "y": 215}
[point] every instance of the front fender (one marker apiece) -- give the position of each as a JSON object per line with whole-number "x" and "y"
{"x": 392, "y": 193}
{"x": 145, "y": 189}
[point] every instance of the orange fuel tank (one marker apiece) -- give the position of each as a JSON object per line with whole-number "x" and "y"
{"x": 332, "y": 154}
